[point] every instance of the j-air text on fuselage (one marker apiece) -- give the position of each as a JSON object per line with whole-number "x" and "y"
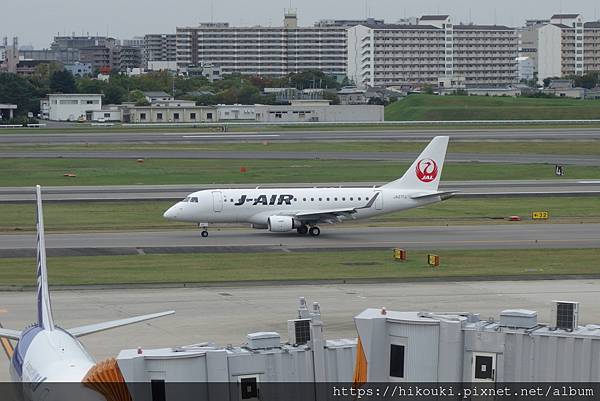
{"x": 303, "y": 209}
{"x": 49, "y": 363}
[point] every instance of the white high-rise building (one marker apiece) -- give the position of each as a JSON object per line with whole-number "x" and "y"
{"x": 266, "y": 51}
{"x": 403, "y": 54}
{"x": 563, "y": 46}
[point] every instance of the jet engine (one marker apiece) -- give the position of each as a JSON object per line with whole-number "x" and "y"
{"x": 281, "y": 224}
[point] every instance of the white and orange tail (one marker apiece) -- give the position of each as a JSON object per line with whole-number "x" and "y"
{"x": 424, "y": 174}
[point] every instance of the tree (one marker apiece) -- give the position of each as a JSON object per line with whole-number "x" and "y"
{"x": 138, "y": 97}
{"x": 332, "y": 97}
{"x": 114, "y": 94}
{"x": 15, "y": 89}
{"x": 62, "y": 81}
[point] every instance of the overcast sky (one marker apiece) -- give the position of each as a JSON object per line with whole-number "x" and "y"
{"x": 35, "y": 22}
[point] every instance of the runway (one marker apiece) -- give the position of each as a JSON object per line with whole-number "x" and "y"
{"x": 225, "y": 314}
{"x": 186, "y": 137}
{"x": 557, "y": 187}
{"x": 332, "y": 238}
{"x": 321, "y": 155}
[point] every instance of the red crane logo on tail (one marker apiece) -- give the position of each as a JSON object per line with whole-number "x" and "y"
{"x": 426, "y": 170}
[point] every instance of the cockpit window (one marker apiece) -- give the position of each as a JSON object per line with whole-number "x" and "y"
{"x": 194, "y": 200}
{"x": 187, "y": 199}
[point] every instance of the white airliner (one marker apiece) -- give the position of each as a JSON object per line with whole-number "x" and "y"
{"x": 47, "y": 354}
{"x": 303, "y": 209}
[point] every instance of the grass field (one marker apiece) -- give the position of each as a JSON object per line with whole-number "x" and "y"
{"x": 457, "y": 108}
{"x": 210, "y": 268}
{"x": 486, "y": 147}
{"x": 97, "y": 216}
{"x": 26, "y": 172}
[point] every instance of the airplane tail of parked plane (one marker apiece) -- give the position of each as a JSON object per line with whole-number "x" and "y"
{"x": 44, "y": 308}
{"x": 425, "y": 172}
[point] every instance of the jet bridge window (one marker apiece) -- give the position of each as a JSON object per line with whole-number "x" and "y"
{"x": 194, "y": 200}
{"x": 397, "y": 360}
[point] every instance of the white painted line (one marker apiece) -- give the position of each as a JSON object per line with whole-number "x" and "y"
{"x": 231, "y": 136}
{"x": 588, "y": 182}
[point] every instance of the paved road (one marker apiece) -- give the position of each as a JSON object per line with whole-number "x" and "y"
{"x": 558, "y": 187}
{"x": 323, "y": 155}
{"x": 226, "y": 315}
{"x": 125, "y": 137}
{"x": 506, "y": 236}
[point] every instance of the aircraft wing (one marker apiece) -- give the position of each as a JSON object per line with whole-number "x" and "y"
{"x": 10, "y": 334}
{"x": 444, "y": 195}
{"x": 94, "y": 328}
{"x": 330, "y": 215}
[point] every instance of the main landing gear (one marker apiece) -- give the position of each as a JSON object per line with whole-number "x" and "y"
{"x": 314, "y": 231}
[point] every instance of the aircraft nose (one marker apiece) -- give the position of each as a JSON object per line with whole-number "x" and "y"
{"x": 171, "y": 213}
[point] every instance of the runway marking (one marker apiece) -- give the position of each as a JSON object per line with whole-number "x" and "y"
{"x": 232, "y": 136}
{"x": 588, "y": 182}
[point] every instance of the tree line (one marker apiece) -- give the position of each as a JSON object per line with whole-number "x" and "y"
{"x": 26, "y": 92}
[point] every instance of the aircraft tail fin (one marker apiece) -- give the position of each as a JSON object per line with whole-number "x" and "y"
{"x": 425, "y": 172}
{"x": 44, "y": 307}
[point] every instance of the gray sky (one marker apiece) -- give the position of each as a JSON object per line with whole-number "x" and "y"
{"x": 37, "y": 21}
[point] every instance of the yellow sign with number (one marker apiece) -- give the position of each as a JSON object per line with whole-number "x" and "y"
{"x": 540, "y": 215}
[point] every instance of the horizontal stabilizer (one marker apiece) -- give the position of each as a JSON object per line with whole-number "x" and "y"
{"x": 10, "y": 334}
{"x": 443, "y": 195}
{"x": 95, "y": 328}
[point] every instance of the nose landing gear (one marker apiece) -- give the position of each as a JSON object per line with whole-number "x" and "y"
{"x": 204, "y": 227}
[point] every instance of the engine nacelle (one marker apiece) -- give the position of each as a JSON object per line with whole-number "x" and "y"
{"x": 281, "y": 224}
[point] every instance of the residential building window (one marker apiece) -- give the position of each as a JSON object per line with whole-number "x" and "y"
{"x": 397, "y": 360}
{"x": 106, "y": 115}
{"x": 192, "y": 116}
{"x": 209, "y": 116}
{"x": 142, "y": 116}
{"x": 176, "y": 116}
{"x": 159, "y": 116}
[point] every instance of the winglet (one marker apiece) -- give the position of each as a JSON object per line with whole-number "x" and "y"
{"x": 44, "y": 308}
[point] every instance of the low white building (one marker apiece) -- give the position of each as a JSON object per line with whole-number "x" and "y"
{"x": 318, "y": 111}
{"x": 70, "y": 106}
{"x": 236, "y": 112}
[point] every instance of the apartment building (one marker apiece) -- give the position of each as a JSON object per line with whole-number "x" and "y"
{"x": 160, "y": 47}
{"x": 409, "y": 54}
{"x": 265, "y": 51}
{"x": 564, "y": 45}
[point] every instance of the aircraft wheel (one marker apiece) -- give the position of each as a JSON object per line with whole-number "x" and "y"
{"x": 303, "y": 230}
{"x": 204, "y": 234}
{"x": 314, "y": 231}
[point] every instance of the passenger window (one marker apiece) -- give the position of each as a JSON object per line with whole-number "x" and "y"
{"x": 335, "y": 199}
{"x": 343, "y": 199}
{"x": 327, "y": 199}
{"x": 295, "y": 199}
{"x": 304, "y": 199}
{"x": 351, "y": 198}
{"x": 320, "y": 199}
{"x": 359, "y": 198}
{"x": 312, "y": 199}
